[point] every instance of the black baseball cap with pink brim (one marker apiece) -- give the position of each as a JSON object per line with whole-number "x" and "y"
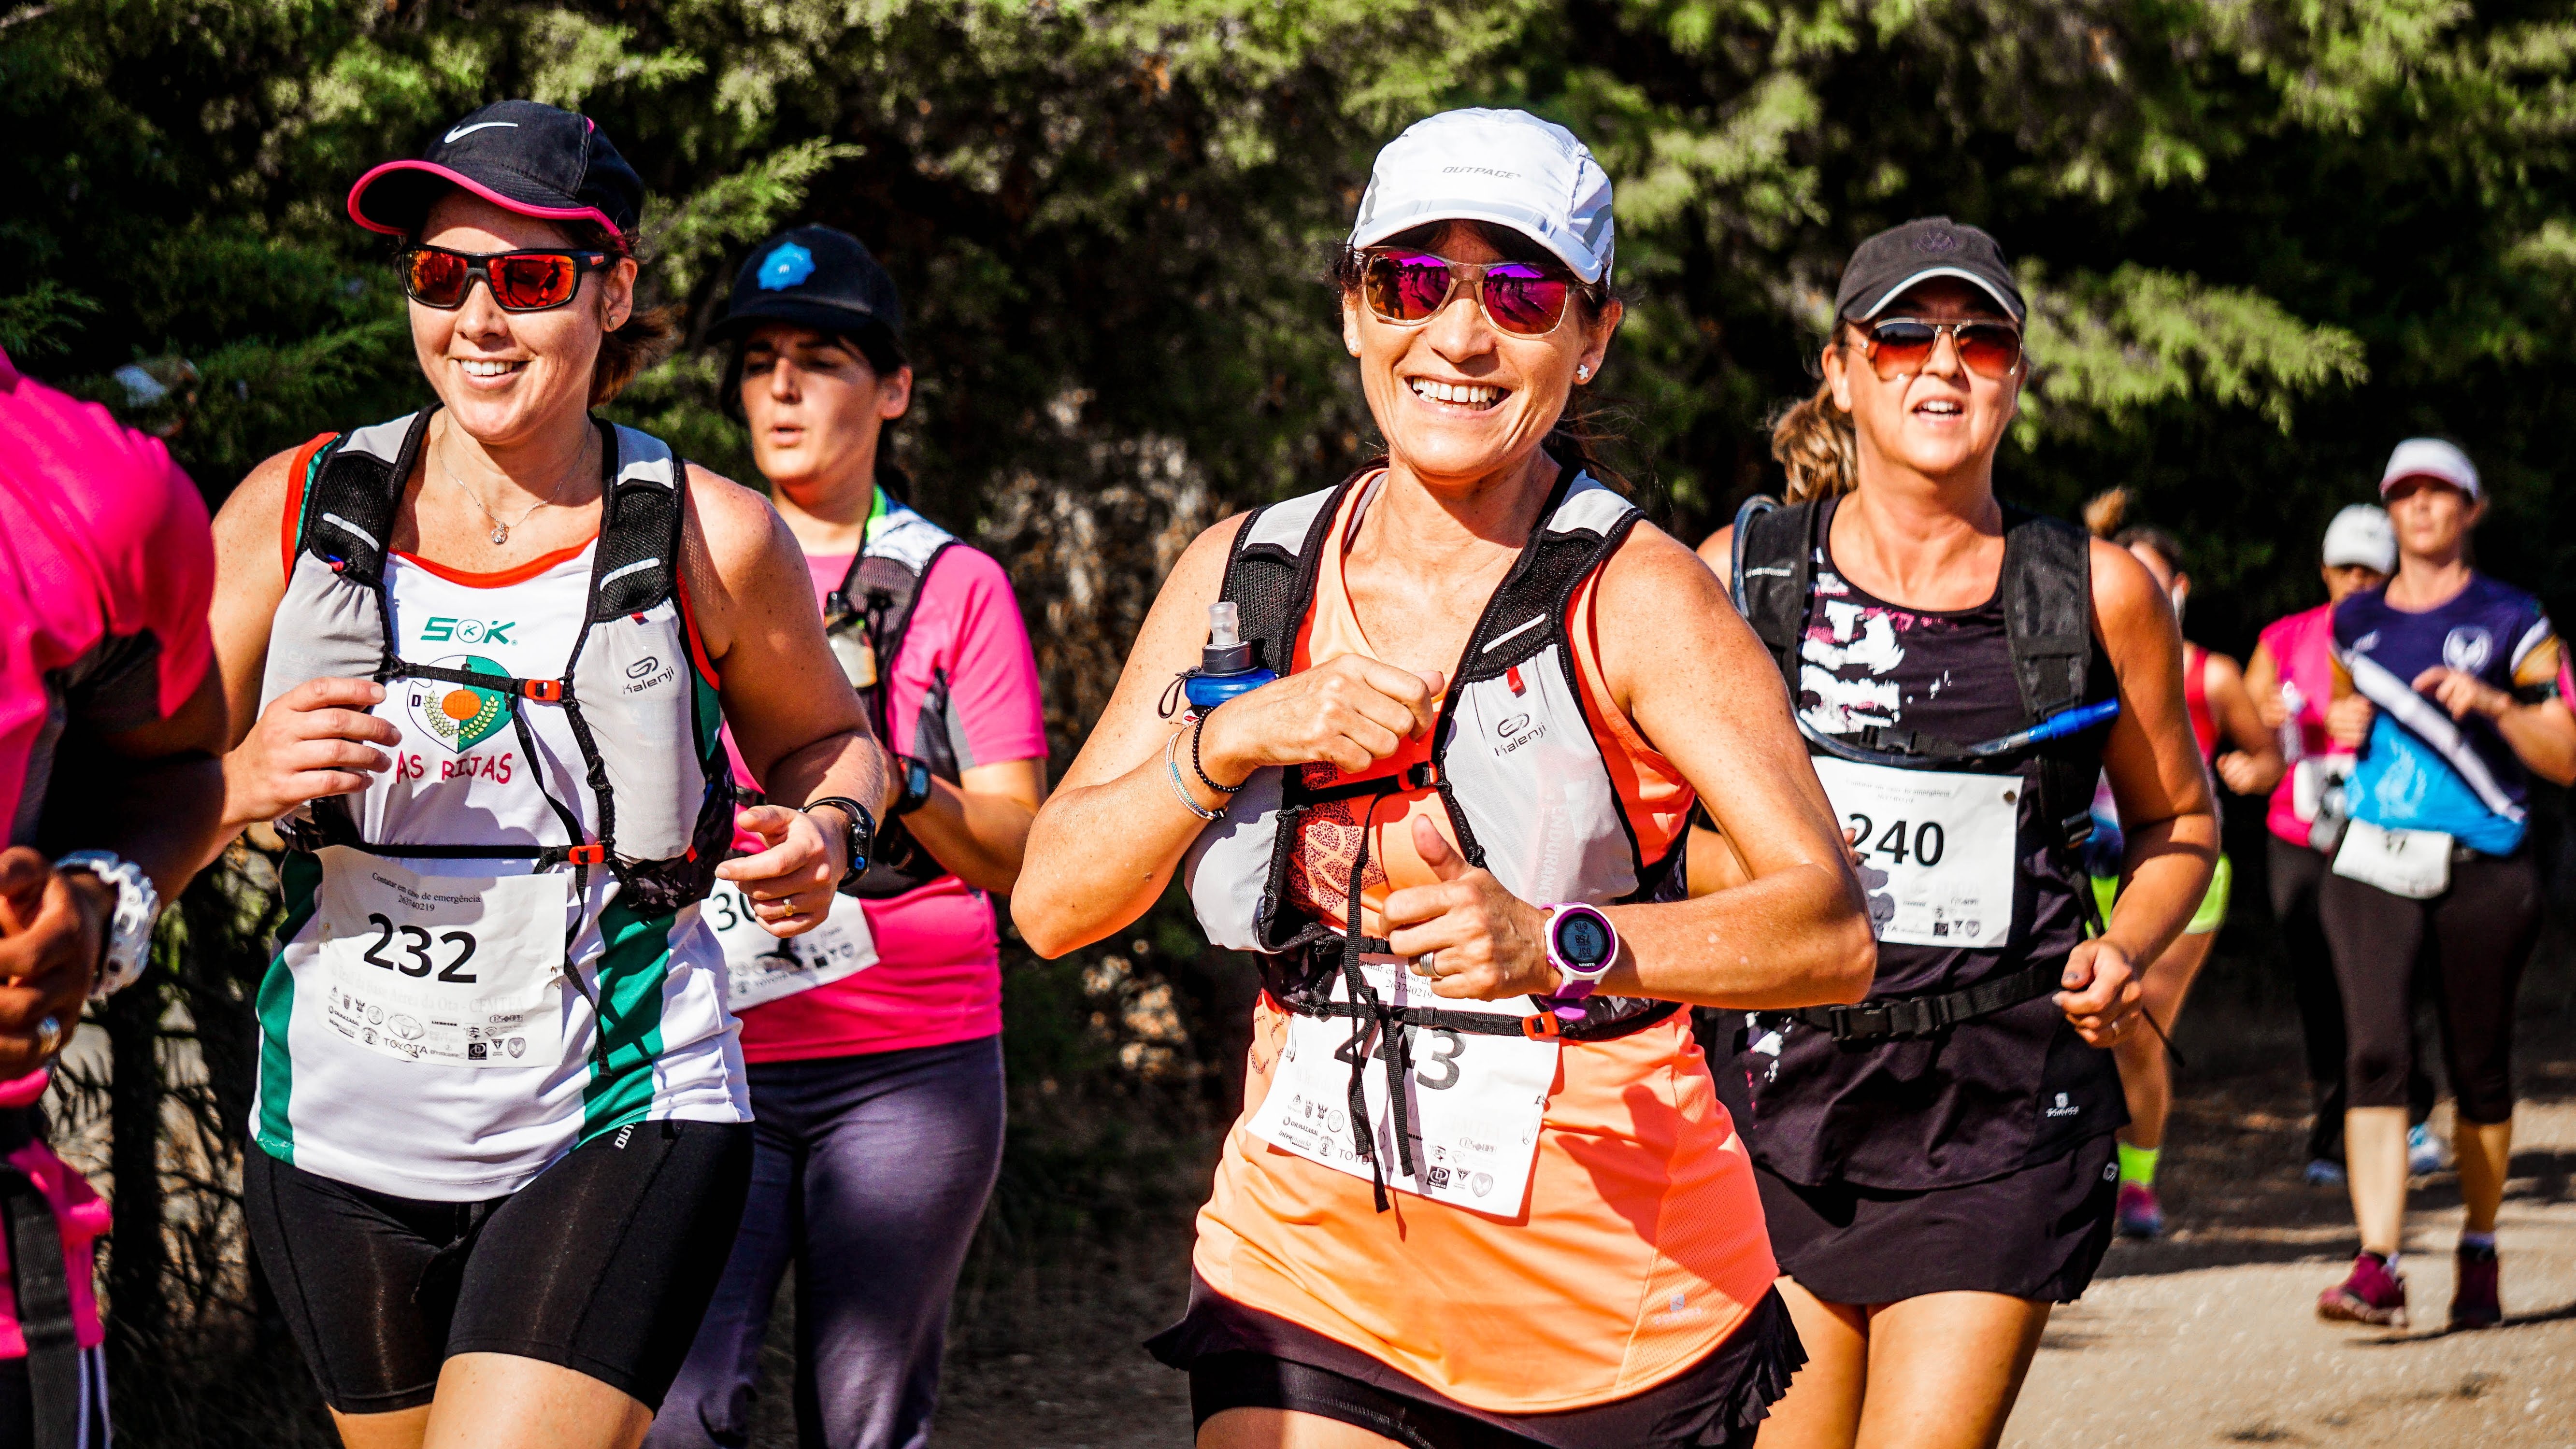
{"x": 519, "y": 155}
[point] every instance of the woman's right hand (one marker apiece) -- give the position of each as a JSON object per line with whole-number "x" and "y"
{"x": 1348, "y": 713}
{"x": 2348, "y": 721}
{"x": 314, "y": 740}
{"x": 2271, "y": 707}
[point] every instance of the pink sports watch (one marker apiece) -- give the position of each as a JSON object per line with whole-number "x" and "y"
{"x": 1581, "y": 944}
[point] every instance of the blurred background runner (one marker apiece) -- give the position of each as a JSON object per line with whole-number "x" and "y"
{"x": 110, "y": 719}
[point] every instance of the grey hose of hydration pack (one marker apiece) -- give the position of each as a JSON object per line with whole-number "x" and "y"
{"x": 2065, "y": 722}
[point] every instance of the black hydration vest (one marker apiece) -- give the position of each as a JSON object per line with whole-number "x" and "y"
{"x": 2046, "y": 591}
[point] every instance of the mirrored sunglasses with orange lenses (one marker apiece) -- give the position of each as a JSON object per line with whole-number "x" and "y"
{"x": 1903, "y": 346}
{"x": 1520, "y": 298}
{"x": 529, "y": 281}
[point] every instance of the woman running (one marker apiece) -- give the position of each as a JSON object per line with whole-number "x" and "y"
{"x": 876, "y": 1092}
{"x": 2221, "y": 711}
{"x": 501, "y": 1129}
{"x": 1936, "y": 1163}
{"x": 2446, "y": 685}
{"x": 1449, "y": 833}
{"x": 2291, "y": 677}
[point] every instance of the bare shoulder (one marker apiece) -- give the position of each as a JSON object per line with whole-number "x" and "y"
{"x": 259, "y": 498}
{"x": 1200, "y": 570}
{"x": 1654, "y": 571}
{"x": 2223, "y": 670}
{"x": 2125, "y": 596}
{"x": 739, "y": 527}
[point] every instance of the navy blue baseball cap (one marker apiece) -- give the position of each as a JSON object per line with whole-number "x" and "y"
{"x": 1883, "y": 267}
{"x": 811, "y": 276}
{"x": 519, "y": 155}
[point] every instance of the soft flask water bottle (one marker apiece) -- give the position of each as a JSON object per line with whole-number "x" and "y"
{"x": 1225, "y": 665}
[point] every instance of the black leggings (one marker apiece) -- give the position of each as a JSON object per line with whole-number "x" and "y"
{"x": 2481, "y": 931}
{"x": 2295, "y": 872}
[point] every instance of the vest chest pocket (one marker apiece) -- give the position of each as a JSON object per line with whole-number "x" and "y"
{"x": 453, "y": 970}
{"x": 1937, "y": 850}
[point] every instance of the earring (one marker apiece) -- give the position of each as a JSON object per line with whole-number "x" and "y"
{"x": 1583, "y": 372}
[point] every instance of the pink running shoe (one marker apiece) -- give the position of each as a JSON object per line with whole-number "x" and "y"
{"x": 2474, "y": 1303}
{"x": 2371, "y": 1294}
{"x": 2140, "y": 1215}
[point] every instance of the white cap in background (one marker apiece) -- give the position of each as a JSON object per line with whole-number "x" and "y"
{"x": 2360, "y": 535}
{"x": 1506, "y": 167}
{"x": 2433, "y": 458}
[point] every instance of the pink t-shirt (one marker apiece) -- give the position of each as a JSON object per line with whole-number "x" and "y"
{"x": 2302, "y": 647}
{"x": 106, "y": 570}
{"x": 938, "y": 976}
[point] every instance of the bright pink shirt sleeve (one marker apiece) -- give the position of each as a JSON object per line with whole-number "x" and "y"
{"x": 938, "y": 977}
{"x": 107, "y": 568}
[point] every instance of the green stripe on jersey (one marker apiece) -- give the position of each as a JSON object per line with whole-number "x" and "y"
{"x": 632, "y": 971}
{"x": 301, "y": 878}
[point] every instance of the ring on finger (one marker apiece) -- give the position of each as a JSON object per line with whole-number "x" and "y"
{"x": 49, "y": 1035}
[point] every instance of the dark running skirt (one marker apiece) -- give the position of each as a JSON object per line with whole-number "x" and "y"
{"x": 2037, "y": 1233}
{"x": 1242, "y": 1358}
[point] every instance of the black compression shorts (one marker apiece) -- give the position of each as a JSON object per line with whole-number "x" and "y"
{"x": 604, "y": 1265}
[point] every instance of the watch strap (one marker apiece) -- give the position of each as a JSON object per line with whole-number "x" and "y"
{"x": 125, "y": 940}
{"x": 862, "y": 837}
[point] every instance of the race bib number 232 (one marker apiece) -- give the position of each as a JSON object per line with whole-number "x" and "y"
{"x": 462, "y": 971}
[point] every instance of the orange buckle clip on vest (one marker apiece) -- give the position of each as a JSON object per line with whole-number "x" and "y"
{"x": 1542, "y": 1027}
{"x": 543, "y": 691}
{"x": 591, "y": 854}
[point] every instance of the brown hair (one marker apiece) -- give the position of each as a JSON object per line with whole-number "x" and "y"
{"x": 647, "y": 337}
{"x": 1814, "y": 443}
{"x": 1579, "y": 433}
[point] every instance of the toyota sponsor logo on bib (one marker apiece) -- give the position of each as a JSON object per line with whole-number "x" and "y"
{"x": 2468, "y": 648}
{"x": 457, "y": 716}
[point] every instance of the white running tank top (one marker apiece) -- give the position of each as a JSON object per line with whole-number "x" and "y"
{"x": 335, "y": 1096}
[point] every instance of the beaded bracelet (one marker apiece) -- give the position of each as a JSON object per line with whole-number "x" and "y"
{"x": 1180, "y": 787}
{"x": 1198, "y": 727}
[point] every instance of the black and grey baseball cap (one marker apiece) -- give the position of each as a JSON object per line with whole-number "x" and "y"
{"x": 1882, "y": 267}
{"x": 519, "y": 155}
{"x": 811, "y": 276}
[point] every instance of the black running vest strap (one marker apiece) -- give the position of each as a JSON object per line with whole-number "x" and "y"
{"x": 349, "y": 511}
{"x": 1272, "y": 584}
{"x": 42, "y": 1289}
{"x": 2047, "y": 589}
{"x": 873, "y": 607}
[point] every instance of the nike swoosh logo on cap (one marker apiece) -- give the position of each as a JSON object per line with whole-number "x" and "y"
{"x": 477, "y": 126}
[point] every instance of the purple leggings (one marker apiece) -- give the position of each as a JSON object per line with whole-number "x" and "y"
{"x": 870, "y": 1172}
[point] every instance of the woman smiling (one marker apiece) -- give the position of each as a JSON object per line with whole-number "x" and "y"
{"x": 1482, "y": 1191}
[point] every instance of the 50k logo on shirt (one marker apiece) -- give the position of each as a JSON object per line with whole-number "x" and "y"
{"x": 441, "y": 629}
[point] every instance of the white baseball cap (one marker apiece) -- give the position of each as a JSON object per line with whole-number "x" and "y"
{"x": 1506, "y": 167}
{"x": 2360, "y": 535}
{"x": 2434, "y": 458}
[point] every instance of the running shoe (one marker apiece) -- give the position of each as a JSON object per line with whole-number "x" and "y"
{"x": 2371, "y": 1294}
{"x": 2140, "y": 1215}
{"x": 2325, "y": 1172}
{"x": 2424, "y": 1154}
{"x": 2474, "y": 1303}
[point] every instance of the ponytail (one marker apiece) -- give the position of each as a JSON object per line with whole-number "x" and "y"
{"x": 1813, "y": 441}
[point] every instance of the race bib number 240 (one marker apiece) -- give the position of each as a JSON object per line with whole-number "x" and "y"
{"x": 1936, "y": 849}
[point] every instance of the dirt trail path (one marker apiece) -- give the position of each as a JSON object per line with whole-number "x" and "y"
{"x": 2207, "y": 1338}
{"x": 2210, "y": 1337}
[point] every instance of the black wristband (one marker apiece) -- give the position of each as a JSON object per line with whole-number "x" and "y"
{"x": 1197, "y": 730}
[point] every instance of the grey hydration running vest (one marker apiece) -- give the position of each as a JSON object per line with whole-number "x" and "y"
{"x": 662, "y": 790}
{"x": 867, "y": 619}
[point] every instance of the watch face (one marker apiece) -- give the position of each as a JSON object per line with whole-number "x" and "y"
{"x": 1582, "y": 938}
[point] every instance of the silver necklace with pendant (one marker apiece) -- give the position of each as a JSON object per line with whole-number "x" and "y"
{"x": 501, "y": 531}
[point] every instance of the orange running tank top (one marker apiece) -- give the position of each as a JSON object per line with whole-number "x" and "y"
{"x": 1641, "y": 1246}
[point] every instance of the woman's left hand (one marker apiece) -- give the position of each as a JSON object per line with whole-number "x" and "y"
{"x": 1474, "y": 939}
{"x": 790, "y": 883}
{"x": 2102, "y": 992}
{"x": 2463, "y": 694}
